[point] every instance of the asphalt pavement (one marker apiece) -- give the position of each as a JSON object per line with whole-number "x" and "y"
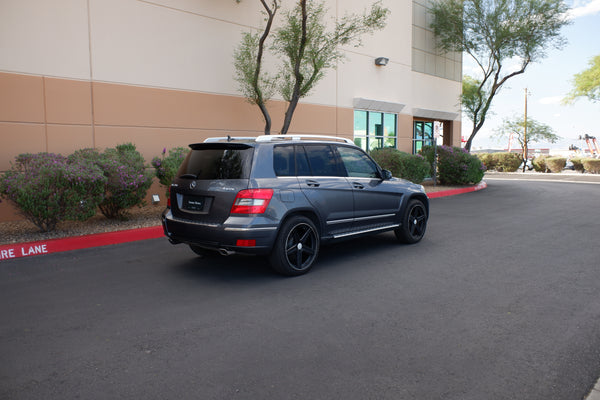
{"x": 499, "y": 301}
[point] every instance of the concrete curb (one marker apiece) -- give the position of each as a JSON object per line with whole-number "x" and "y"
{"x": 444, "y": 193}
{"x": 18, "y": 250}
{"x": 28, "y": 249}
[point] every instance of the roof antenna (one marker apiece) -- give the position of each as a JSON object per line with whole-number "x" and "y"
{"x": 228, "y": 138}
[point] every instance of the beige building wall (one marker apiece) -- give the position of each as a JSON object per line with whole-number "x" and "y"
{"x": 159, "y": 73}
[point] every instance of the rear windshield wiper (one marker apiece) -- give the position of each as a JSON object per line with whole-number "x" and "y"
{"x": 189, "y": 176}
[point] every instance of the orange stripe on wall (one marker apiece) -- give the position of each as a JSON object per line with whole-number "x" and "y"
{"x": 52, "y": 114}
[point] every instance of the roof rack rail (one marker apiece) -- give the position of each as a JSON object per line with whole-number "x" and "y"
{"x": 269, "y": 138}
{"x": 229, "y": 138}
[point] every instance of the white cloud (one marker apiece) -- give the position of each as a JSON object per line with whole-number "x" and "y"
{"x": 584, "y": 9}
{"x": 551, "y": 100}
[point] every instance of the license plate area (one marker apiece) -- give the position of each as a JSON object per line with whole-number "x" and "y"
{"x": 195, "y": 204}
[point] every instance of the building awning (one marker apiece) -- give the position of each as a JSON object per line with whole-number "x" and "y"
{"x": 435, "y": 115}
{"x": 376, "y": 105}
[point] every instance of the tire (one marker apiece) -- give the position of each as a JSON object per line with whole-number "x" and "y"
{"x": 414, "y": 223}
{"x": 202, "y": 252}
{"x": 296, "y": 247}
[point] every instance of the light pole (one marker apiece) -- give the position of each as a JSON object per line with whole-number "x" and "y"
{"x": 525, "y": 149}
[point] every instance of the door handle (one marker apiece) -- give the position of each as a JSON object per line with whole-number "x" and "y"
{"x": 313, "y": 183}
{"x": 357, "y": 185}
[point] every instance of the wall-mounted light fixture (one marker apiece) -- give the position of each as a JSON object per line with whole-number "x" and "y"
{"x": 381, "y": 61}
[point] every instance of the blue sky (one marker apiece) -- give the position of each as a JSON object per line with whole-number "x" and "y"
{"x": 548, "y": 81}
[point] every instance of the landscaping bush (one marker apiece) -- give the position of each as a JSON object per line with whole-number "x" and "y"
{"x": 577, "y": 164}
{"x": 591, "y": 165}
{"x": 556, "y": 164}
{"x": 456, "y": 166}
{"x": 403, "y": 165}
{"x": 539, "y": 163}
{"x": 488, "y": 160}
{"x": 127, "y": 179}
{"x": 507, "y": 162}
{"x": 48, "y": 188}
{"x": 165, "y": 167}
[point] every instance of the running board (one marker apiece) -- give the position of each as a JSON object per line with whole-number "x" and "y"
{"x": 380, "y": 228}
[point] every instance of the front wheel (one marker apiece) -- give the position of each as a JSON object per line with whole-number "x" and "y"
{"x": 296, "y": 247}
{"x": 414, "y": 223}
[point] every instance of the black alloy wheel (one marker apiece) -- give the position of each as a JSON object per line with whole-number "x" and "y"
{"x": 414, "y": 223}
{"x": 296, "y": 247}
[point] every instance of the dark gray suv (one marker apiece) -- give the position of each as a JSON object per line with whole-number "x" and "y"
{"x": 282, "y": 196}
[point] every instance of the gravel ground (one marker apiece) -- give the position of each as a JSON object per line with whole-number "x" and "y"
{"x": 24, "y": 231}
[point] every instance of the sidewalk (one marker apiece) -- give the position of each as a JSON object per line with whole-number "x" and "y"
{"x": 565, "y": 176}
{"x": 27, "y": 249}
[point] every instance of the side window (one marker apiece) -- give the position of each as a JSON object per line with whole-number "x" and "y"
{"x": 302, "y": 162}
{"x": 283, "y": 161}
{"x": 323, "y": 161}
{"x": 357, "y": 163}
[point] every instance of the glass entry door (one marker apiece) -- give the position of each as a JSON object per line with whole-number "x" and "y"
{"x": 422, "y": 135}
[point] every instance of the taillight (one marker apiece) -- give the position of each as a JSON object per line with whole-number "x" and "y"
{"x": 251, "y": 201}
{"x": 169, "y": 197}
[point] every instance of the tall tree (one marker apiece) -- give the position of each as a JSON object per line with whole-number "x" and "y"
{"x": 305, "y": 47}
{"x": 586, "y": 83}
{"x": 308, "y": 48}
{"x": 492, "y": 33}
{"x": 257, "y": 85}
{"x": 526, "y": 132}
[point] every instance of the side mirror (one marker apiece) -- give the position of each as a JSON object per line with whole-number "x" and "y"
{"x": 386, "y": 175}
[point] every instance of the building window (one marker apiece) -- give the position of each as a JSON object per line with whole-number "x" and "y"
{"x": 426, "y": 58}
{"x": 422, "y": 135}
{"x": 374, "y": 130}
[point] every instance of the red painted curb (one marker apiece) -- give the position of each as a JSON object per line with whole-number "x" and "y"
{"x": 17, "y": 250}
{"x": 452, "y": 192}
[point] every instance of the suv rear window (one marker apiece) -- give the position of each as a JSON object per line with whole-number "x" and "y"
{"x": 218, "y": 161}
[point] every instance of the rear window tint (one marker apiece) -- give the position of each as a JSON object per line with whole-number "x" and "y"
{"x": 311, "y": 160}
{"x": 214, "y": 162}
{"x": 283, "y": 161}
{"x": 323, "y": 161}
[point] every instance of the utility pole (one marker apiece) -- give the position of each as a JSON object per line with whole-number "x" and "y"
{"x": 525, "y": 149}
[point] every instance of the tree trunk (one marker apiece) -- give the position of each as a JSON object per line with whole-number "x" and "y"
{"x": 297, "y": 75}
{"x": 261, "y": 44}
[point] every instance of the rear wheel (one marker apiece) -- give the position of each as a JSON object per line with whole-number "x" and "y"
{"x": 414, "y": 223}
{"x": 296, "y": 247}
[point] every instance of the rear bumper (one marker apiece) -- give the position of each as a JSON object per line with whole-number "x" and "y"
{"x": 224, "y": 236}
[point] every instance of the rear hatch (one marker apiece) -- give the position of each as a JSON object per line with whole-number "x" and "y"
{"x": 208, "y": 181}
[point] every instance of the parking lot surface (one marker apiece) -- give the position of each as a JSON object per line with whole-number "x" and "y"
{"x": 499, "y": 301}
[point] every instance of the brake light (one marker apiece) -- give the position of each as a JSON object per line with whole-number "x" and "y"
{"x": 251, "y": 201}
{"x": 169, "y": 197}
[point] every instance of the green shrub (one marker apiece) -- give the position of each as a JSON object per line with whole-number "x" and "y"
{"x": 127, "y": 179}
{"x": 539, "y": 163}
{"x": 165, "y": 167}
{"x": 556, "y": 164}
{"x": 577, "y": 164}
{"x": 428, "y": 153}
{"x": 591, "y": 165}
{"x": 48, "y": 188}
{"x": 403, "y": 165}
{"x": 507, "y": 162}
{"x": 456, "y": 166}
{"x": 488, "y": 160}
